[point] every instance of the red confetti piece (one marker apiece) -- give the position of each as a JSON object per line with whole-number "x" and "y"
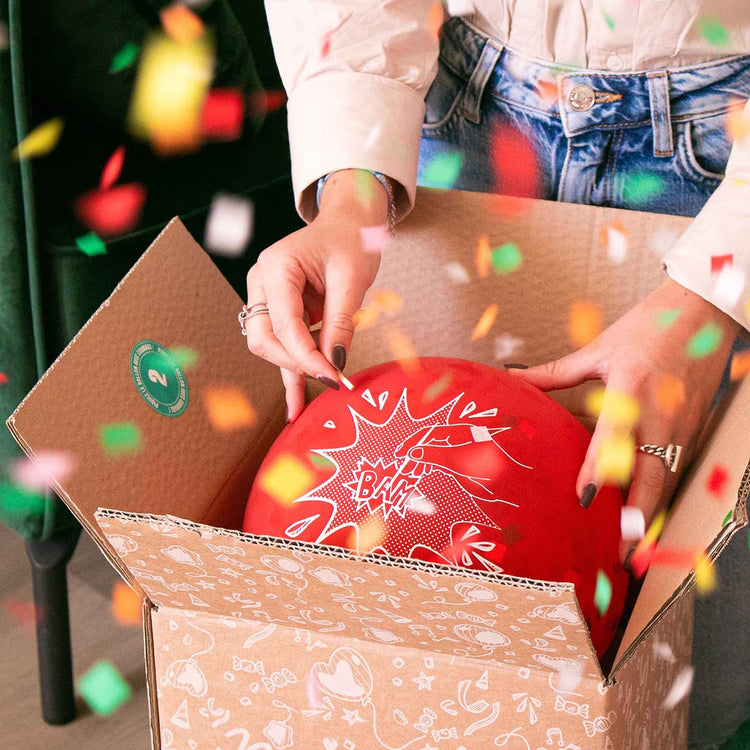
{"x": 223, "y": 114}
{"x": 112, "y": 169}
{"x": 263, "y": 102}
{"x": 719, "y": 261}
{"x": 3, "y": 378}
{"x": 326, "y": 47}
{"x": 717, "y": 480}
{"x": 515, "y": 164}
{"x": 674, "y": 557}
{"x": 527, "y": 428}
{"x": 23, "y": 613}
{"x": 641, "y": 559}
{"x": 113, "y": 211}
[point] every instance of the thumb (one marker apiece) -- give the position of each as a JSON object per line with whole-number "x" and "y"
{"x": 344, "y": 295}
{"x": 572, "y": 369}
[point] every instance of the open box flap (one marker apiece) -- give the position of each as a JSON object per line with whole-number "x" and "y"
{"x": 696, "y": 521}
{"x": 174, "y": 296}
{"x": 412, "y": 604}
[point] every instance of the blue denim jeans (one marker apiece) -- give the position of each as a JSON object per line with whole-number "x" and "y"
{"x": 651, "y": 141}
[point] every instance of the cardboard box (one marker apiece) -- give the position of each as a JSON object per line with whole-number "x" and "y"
{"x": 253, "y": 642}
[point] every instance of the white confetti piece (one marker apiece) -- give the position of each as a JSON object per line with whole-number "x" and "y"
{"x": 617, "y": 246}
{"x": 229, "y": 226}
{"x": 664, "y": 651}
{"x": 479, "y": 433}
{"x": 456, "y": 273}
{"x": 37, "y": 475}
{"x": 632, "y": 523}
{"x": 420, "y": 504}
{"x": 680, "y": 687}
{"x": 662, "y": 240}
{"x": 568, "y": 680}
{"x": 728, "y": 286}
{"x": 374, "y": 239}
{"x": 459, "y": 7}
{"x": 506, "y": 345}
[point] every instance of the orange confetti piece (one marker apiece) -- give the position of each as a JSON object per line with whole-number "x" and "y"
{"x": 366, "y": 317}
{"x": 584, "y": 322}
{"x": 740, "y": 365}
{"x": 738, "y": 120}
{"x": 181, "y": 24}
{"x": 670, "y": 393}
{"x": 435, "y": 20}
{"x": 547, "y": 89}
{"x": 228, "y": 408}
{"x": 126, "y": 605}
{"x": 286, "y": 479}
{"x": 484, "y": 256}
{"x": 402, "y": 349}
{"x": 387, "y": 301}
{"x": 367, "y": 536}
{"x": 482, "y": 328}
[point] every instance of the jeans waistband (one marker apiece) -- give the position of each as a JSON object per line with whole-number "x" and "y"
{"x": 590, "y": 99}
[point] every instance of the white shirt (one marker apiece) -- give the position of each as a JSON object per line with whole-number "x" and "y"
{"x": 356, "y": 73}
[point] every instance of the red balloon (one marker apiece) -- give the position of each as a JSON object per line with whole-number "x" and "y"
{"x": 451, "y": 462}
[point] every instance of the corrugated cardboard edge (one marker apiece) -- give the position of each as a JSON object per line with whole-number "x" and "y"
{"x": 151, "y": 682}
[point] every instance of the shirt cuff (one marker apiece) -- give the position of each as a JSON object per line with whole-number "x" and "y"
{"x": 712, "y": 257}
{"x": 354, "y": 121}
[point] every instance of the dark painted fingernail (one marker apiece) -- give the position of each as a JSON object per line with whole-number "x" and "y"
{"x": 588, "y": 494}
{"x": 515, "y": 366}
{"x": 328, "y": 382}
{"x": 339, "y": 357}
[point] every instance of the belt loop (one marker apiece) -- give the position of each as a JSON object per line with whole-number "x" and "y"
{"x": 479, "y": 77}
{"x": 661, "y": 116}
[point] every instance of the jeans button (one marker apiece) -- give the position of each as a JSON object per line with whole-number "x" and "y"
{"x": 581, "y": 97}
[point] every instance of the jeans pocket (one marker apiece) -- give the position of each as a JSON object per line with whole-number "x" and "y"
{"x": 705, "y": 146}
{"x": 442, "y": 103}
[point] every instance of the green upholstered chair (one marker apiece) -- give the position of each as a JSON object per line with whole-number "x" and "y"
{"x": 55, "y": 61}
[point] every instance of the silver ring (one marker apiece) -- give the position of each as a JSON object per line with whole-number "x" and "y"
{"x": 669, "y": 453}
{"x": 249, "y": 311}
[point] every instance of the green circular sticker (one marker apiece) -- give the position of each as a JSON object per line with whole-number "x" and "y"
{"x": 159, "y": 378}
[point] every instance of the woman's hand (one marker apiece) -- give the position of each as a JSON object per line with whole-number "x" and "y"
{"x": 318, "y": 273}
{"x": 650, "y": 362}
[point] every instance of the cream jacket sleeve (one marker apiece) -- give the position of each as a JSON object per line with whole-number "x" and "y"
{"x": 356, "y": 73}
{"x": 721, "y": 228}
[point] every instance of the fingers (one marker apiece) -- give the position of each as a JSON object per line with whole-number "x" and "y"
{"x": 343, "y": 299}
{"x": 294, "y": 384}
{"x": 572, "y": 369}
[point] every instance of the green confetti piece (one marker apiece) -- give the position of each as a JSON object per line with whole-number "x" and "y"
{"x": 704, "y": 341}
{"x": 603, "y": 593}
{"x": 321, "y": 461}
{"x": 18, "y": 505}
{"x": 120, "y": 437}
{"x": 609, "y": 21}
{"x": 103, "y": 688}
{"x": 363, "y": 186}
{"x": 91, "y": 244}
{"x": 124, "y": 58}
{"x": 640, "y": 187}
{"x": 727, "y": 518}
{"x": 506, "y": 258}
{"x": 713, "y": 31}
{"x": 185, "y": 356}
{"x": 665, "y": 318}
{"x": 443, "y": 170}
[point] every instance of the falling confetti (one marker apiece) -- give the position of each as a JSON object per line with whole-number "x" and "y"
{"x": 367, "y": 535}
{"x": 401, "y": 349}
{"x": 483, "y": 256}
{"x": 739, "y": 368}
{"x": 374, "y": 239}
{"x": 486, "y": 322}
{"x": 705, "y": 575}
{"x": 662, "y": 240}
{"x": 639, "y": 187}
{"x": 614, "y": 460}
{"x": 670, "y": 393}
{"x": 185, "y": 356}
{"x": 223, "y": 114}
{"x": 584, "y": 322}
{"x": 40, "y": 141}
{"x": 663, "y": 651}
{"x": 547, "y": 90}
{"x": 609, "y": 21}
{"x": 713, "y": 31}
{"x": 124, "y": 58}
{"x": 456, "y": 273}
{"x": 3, "y": 378}
{"x": 664, "y": 319}
{"x": 47, "y": 466}
{"x": 614, "y": 238}
{"x": 112, "y": 169}
{"x": 728, "y": 286}
{"x": 325, "y": 47}
{"x": 321, "y": 461}
{"x": 646, "y": 548}
{"x": 91, "y": 244}
{"x": 506, "y": 258}
{"x": 435, "y": 389}
{"x": 229, "y": 226}
{"x": 286, "y": 479}
{"x": 113, "y": 211}
{"x": 18, "y": 504}
{"x": 515, "y": 164}
{"x": 719, "y": 261}
{"x": 435, "y": 19}
{"x": 704, "y": 341}
{"x": 616, "y": 407}
{"x": 632, "y": 523}
{"x": 506, "y": 346}
{"x": 366, "y": 317}
{"x": 387, "y": 301}
{"x": 24, "y": 613}
{"x": 680, "y": 687}
{"x": 119, "y": 438}
{"x": 228, "y": 408}
{"x": 181, "y": 24}
{"x": 261, "y": 103}
{"x": 126, "y": 605}
{"x": 717, "y": 480}
{"x": 459, "y": 7}
{"x": 738, "y": 120}
{"x": 603, "y": 593}
{"x": 727, "y": 518}
{"x": 103, "y": 688}
{"x": 443, "y": 170}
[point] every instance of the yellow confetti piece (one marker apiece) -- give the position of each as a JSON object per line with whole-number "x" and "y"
{"x": 670, "y": 393}
{"x": 228, "y": 408}
{"x": 126, "y": 605}
{"x": 368, "y": 535}
{"x": 482, "y": 328}
{"x": 484, "y": 256}
{"x": 41, "y": 140}
{"x": 181, "y": 24}
{"x": 401, "y": 348}
{"x": 286, "y": 479}
{"x": 616, "y": 407}
{"x": 740, "y": 365}
{"x": 705, "y": 575}
{"x": 584, "y": 322}
{"x": 387, "y": 301}
{"x": 168, "y": 95}
{"x": 614, "y": 460}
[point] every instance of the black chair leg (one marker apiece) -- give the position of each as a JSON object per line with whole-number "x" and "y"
{"x": 48, "y": 565}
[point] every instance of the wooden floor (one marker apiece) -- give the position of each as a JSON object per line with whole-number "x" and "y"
{"x": 96, "y": 635}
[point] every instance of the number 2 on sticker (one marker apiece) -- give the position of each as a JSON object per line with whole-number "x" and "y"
{"x": 157, "y": 377}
